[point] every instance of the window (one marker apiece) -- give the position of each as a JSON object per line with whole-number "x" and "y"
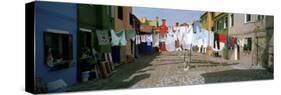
{"x": 131, "y": 19}
{"x": 260, "y": 17}
{"x": 231, "y": 20}
{"x": 213, "y": 15}
{"x": 108, "y": 10}
{"x": 58, "y": 49}
{"x": 247, "y": 44}
{"x": 217, "y": 25}
{"x": 225, "y": 23}
{"x": 248, "y": 18}
{"x": 120, "y": 13}
{"x": 112, "y": 11}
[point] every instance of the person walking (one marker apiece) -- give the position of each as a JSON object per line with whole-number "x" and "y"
{"x": 187, "y": 44}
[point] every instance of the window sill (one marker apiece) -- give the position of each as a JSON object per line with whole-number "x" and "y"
{"x": 60, "y": 66}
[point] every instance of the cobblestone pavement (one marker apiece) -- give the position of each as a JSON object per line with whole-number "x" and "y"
{"x": 166, "y": 69}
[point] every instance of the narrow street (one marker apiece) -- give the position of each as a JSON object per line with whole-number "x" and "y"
{"x": 166, "y": 69}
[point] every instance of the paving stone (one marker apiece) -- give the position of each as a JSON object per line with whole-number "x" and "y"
{"x": 166, "y": 70}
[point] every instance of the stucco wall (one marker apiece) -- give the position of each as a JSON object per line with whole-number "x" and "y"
{"x": 61, "y": 16}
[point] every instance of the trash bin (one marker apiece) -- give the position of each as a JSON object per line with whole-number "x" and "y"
{"x": 85, "y": 76}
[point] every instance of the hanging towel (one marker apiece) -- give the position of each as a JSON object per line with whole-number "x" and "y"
{"x": 118, "y": 38}
{"x": 138, "y": 39}
{"x": 115, "y": 39}
{"x": 143, "y": 38}
{"x": 123, "y": 40}
{"x": 130, "y": 33}
{"x": 170, "y": 42}
{"x": 156, "y": 39}
{"x": 211, "y": 40}
{"x": 149, "y": 38}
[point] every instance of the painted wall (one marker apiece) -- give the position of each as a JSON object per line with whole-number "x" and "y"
{"x": 123, "y": 25}
{"x": 61, "y": 16}
{"x": 242, "y": 29}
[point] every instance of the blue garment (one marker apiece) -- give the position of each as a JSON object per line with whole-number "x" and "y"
{"x": 228, "y": 42}
{"x": 196, "y": 26}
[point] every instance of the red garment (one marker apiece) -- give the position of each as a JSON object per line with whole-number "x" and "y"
{"x": 222, "y": 38}
{"x": 162, "y": 47}
{"x": 163, "y": 28}
{"x": 232, "y": 42}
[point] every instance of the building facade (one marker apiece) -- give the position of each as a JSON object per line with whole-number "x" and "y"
{"x": 55, "y": 45}
{"x": 124, "y": 22}
{"x": 207, "y": 21}
{"x": 255, "y": 37}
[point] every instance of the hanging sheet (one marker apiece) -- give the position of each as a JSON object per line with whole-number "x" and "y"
{"x": 156, "y": 39}
{"x": 138, "y": 39}
{"x": 143, "y": 38}
{"x": 118, "y": 38}
{"x": 170, "y": 42}
{"x": 103, "y": 41}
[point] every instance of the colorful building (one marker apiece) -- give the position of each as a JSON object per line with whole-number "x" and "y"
{"x": 91, "y": 20}
{"x": 207, "y": 21}
{"x": 55, "y": 45}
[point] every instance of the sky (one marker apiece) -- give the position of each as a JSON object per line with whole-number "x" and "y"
{"x": 171, "y": 15}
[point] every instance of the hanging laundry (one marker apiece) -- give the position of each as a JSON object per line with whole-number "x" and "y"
{"x": 130, "y": 33}
{"x": 103, "y": 37}
{"x": 194, "y": 39}
{"x": 149, "y": 38}
{"x": 103, "y": 41}
{"x": 178, "y": 33}
{"x": 118, "y": 38}
{"x": 123, "y": 40}
{"x": 204, "y": 37}
{"x": 222, "y": 38}
{"x": 143, "y": 38}
{"x": 156, "y": 39}
{"x": 232, "y": 42}
{"x": 148, "y": 43}
{"x": 196, "y": 27}
{"x": 211, "y": 40}
{"x": 115, "y": 39}
{"x": 216, "y": 41}
{"x": 138, "y": 39}
{"x": 163, "y": 28}
{"x": 228, "y": 42}
{"x": 170, "y": 42}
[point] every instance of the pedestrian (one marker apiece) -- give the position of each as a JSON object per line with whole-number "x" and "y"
{"x": 187, "y": 44}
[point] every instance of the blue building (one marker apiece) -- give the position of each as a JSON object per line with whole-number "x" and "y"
{"x": 56, "y": 44}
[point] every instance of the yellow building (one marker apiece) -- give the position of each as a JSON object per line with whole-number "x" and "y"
{"x": 207, "y": 20}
